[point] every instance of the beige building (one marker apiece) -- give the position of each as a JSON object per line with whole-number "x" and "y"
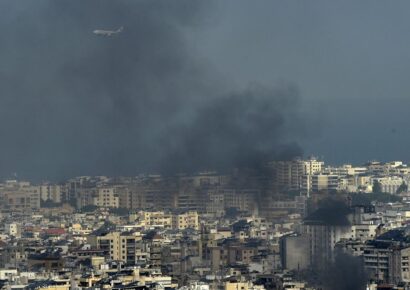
{"x": 155, "y": 219}
{"x": 320, "y": 182}
{"x": 161, "y": 219}
{"x": 50, "y": 192}
{"x": 106, "y": 197}
{"x": 118, "y": 246}
{"x": 13, "y": 229}
{"x": 20, "y": 198}
{"x": 187, "y": 220}
{"x": 363, "y": 232}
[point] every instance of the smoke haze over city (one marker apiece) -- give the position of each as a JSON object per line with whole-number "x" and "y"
{"x": 144, "y": 100}
{"x": 178, "y": 90}
{"x": 204, "y": 145}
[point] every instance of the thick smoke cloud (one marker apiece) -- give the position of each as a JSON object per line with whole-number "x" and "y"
{"x": 74, "y": 103}
{"x": 330, "y": 213}
{"x": 241, "y": 129}
{"x": 346, "y": 272}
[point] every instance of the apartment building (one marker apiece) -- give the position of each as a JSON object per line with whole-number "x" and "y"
{"x": 118, "y": 246}
{"x": 164, "y": 220}
{"x": 106, "y": 197}
{"x": 20, "y": 198}
{"x": 289, "y": 174}
{"x": 324, "y": 228}
{"x": 388, "y": 260}
{"x": 390, "y": 184}
{"x": 155, "y": 219}
{"x": 319, "y": 182}
{"x": 186, "y": 220}
{"x": 51, "y": 192}
{"x": 215, "y": 204}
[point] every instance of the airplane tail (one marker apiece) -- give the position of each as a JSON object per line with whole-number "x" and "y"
{"x": 120, "y": 29}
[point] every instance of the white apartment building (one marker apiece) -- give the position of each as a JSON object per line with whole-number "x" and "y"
{"x": 388, "y": 168}
{"x": 389, "y": 184}
{"x": 345, "y": 170}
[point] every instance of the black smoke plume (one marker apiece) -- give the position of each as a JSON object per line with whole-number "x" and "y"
{"x": 330, "y": 213}
{"x": 346, "y": 272}
{"x": 74, "y": 103}
{"x": 242, "y": 129}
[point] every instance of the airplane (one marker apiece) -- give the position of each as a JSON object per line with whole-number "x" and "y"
{"x": 108, "y": 32}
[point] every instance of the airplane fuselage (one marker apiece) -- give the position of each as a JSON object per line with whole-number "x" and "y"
{"x": 107, "y": 32}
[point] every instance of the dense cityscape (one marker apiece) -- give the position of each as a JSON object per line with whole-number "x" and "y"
{"x": 204, "y": 145}
{"x": 292, "y": 225}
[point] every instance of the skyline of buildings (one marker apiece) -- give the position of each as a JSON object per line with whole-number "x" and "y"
{"x": 256, "y": 230}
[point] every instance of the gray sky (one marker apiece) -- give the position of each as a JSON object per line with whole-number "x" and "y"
{"x": 334, "y": 76}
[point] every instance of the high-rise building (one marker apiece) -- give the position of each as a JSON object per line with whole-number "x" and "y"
{"x": 323, "y": 229}
{"x": 289, "y": 174}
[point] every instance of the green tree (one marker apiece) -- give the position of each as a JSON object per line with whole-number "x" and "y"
{"x": 89, "y": 208}
{"x": 377, "y": 188}
{"x": 119, "y": 211}
{"x": 368, "y": 198}
{"x": 49, "y": 204}
{"x": 402, "y": 188}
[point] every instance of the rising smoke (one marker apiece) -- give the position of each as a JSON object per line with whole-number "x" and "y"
{"x": 241, "y": 129}
{"x": 346, "y": 272}
{"x": 330, "y": 212}
{"x": 74, "y": 103}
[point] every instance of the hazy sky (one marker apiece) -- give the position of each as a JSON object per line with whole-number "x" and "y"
{"x": 74, "y": 103}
